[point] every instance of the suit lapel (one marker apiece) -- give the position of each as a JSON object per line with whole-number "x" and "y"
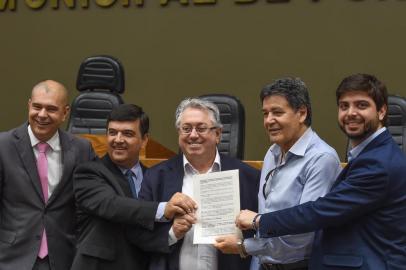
{"x": 143, "y": 168}
{"x": 68, "y": 164}
{"x": 380, "y": 139}
{"x": 225, "y": 163}
{"x": 118, "y": 180}
{"x": 175, "y": 177}
{"x": 342, "y": 175}
{"x": 23, "y": 145}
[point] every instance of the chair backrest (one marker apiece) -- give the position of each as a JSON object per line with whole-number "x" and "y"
{"x": 232, "y": 116}
{"x": 100, "y": 81}
{"x": 396, "y": 122}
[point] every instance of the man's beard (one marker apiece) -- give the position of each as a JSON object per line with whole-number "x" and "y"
{"x": 368, "y": 130}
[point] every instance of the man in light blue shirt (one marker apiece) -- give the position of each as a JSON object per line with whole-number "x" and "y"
{"x": 297, "y": 168}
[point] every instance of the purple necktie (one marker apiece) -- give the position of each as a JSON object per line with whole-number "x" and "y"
{"x": 42, "y": 166}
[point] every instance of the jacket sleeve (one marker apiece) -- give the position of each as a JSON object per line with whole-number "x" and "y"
{"x": 249, "y": 185}
{"x": 156, "y": 240}
{"x": 96, "y": 195}
{"x": 361, "y": 192}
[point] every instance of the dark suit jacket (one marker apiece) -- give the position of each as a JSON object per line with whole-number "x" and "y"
{"x": 106, "y": 210}
{"x": 164, "y": 180}
{"x": 362, "y": 220}
{"x": 23, "y": 213}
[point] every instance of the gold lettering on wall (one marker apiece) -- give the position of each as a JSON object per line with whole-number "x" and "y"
{"x": 244, "y": 1}
{"x": 10, "y": 4}
{"x": 105, "y": 3}
{"x": 165, "y": 2}
{"x": 204, "y": 1}
{"x": 186, "y": 2}
{"x": 35, "y": 4}
{"x": 126, "y": 3}
{"x": 68, "y": 3}
{"x": 84, "y": 4}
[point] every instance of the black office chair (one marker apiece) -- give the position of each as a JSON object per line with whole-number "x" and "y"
{"x": 396, "y": 122}
{"x": 100, "y": 81}
{"x": 232, "y": 116}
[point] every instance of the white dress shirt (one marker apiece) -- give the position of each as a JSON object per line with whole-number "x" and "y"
{"x": 197, "y": 257}
{"x": 54, "y": 158}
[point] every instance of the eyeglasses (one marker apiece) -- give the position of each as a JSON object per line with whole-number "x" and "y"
{"x": 269, "y": 175}
{"x": 186, "y": 130}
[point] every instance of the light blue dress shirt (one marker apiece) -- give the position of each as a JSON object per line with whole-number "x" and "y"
{"x": 308, "y": 171}
{"x": 137, "y": 176}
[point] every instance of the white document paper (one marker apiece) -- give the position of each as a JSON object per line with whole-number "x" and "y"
{"x": 218, "y": 198}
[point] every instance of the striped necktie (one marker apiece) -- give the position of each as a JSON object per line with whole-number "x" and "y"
{"x": 129, "y": 174}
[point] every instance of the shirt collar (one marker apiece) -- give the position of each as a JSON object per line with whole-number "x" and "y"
{"x": 53, "y": 142}
{"x": 300, "y": 146}
{"x": 136, "y": 169}
{"x": 190, "y": 170}
{"x": 354, "y": 152}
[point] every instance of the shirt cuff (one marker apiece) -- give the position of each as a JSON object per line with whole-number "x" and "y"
{"x": 257, "y": 246}
{"x": 172, "y": 238}
{"x": 160, "y": 211}
{"x": 249, "y": 244}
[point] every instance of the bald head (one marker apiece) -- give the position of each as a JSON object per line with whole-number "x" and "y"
{"x": 47, "y": 109}
{"x": 49, "y": 86}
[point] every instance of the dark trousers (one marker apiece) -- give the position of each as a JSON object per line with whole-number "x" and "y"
{"x": 301, "y": 265}
{"x": 42, "y": 264}
{"x": 303, "y": 268}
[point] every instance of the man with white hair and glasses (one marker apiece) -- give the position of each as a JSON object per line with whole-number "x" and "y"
{"x": 199, "y": 129}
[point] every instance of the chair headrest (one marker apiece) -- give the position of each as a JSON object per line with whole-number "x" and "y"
{"x": 101, "y": 73}
{"x": 396, "y": 110}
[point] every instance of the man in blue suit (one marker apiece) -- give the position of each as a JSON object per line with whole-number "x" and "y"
{"x": 361, "y": 222}
{"x": 199, "y": 128}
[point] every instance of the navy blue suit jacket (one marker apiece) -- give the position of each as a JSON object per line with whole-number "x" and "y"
{"x": 165, "y": 179}
{"x": 361, "y": 223}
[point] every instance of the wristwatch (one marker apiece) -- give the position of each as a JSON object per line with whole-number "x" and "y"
{"x": 241, "y": 249}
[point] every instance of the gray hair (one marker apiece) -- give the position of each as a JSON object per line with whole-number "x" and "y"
{"x": 294, "y": 90}
{"x": 201, "y": 104}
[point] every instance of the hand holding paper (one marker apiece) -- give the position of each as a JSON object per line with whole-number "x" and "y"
{"x": 179, "y": 204}
{"x": 182, "y": 224}
{"x": 227, "y": 244}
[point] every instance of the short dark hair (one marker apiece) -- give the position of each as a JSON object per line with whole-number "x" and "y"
{"x": 295, "y": 92}
{"x": 130, "y": 112}
{"x": 368, "y": 84}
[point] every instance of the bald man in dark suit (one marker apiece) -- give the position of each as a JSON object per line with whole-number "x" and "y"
{"x": 37, "y": 209}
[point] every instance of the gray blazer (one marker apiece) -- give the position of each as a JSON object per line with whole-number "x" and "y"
{"x": 23, "y": 213}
